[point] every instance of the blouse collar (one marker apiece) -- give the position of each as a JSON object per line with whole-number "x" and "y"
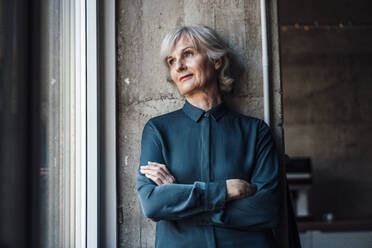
{"x": 195, "y": 113}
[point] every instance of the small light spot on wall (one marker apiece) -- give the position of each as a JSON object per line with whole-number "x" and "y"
{"x": 127, "y": 81}
{"x": 126, "y": 160}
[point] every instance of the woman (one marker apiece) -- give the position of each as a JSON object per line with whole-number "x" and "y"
{"x": 208, "y": 175}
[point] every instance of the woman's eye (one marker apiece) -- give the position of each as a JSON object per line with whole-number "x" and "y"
{"x": 188, "y": 53}
{"x": 171, "y": 61}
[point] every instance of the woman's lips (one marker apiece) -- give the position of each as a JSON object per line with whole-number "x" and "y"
{"x": 186, "y": 76}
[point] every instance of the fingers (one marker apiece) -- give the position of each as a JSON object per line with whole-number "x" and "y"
{"x": 162, "y": 169}
{"x": 158, "y": 173}
{"x": 157, "y": 176}
{"x": 159, "y": 167}
{"x": 162, "y": 166}
{"x": 156, "y": 180}
{"x": 155, "y": 173}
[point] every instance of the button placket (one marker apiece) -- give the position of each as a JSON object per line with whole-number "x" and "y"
{"x": 205, "y": 169}
{"x": 206, "y": 147}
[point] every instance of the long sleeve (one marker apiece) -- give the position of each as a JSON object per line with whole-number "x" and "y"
{"x": 173, "y": 201}
{"x": 261, "y": 210}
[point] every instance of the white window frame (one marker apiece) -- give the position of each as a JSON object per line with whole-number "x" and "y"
{"x": 101, "y": 203}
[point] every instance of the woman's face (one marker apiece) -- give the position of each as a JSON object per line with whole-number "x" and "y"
{"x": 190, "y": 69}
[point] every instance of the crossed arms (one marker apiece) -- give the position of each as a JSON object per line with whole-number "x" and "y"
{"x": 231, "y": 203}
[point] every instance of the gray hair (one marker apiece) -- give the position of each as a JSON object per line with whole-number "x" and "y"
{"x": 204, "y": 39}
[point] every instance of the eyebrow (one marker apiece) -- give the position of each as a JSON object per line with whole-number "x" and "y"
{"x": 183, "y": 49}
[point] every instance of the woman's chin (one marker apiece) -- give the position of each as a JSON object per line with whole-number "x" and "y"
{"x": 186, "y": 92}
{"x": 186, "y": 89}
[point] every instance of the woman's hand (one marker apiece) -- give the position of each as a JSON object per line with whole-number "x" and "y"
{"x": 158, "y": 173}
{"x": 238, "y": 189}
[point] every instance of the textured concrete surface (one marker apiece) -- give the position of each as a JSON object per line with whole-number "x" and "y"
{"x": 328, "y": 114}
{"x": 143, "y": 91}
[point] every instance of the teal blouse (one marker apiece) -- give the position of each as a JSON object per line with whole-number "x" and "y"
{"x": 202, "y": 149}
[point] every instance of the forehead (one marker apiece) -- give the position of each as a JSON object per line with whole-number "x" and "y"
{"x": 180, "y": 44}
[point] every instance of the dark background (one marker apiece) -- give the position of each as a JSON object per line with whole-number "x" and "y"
{"x": 326, "y": 61}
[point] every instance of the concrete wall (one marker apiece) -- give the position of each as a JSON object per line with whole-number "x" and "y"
{"x": 327, "y": 84}
{"x": 143, "y": 91}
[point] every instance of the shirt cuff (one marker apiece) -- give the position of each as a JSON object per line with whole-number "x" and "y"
{"x": 215, "y": 195}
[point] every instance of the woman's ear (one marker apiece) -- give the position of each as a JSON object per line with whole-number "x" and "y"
{"x": 218, "y": 63}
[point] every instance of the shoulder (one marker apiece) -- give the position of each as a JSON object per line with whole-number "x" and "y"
{"x": 247, "y": 120}
{"x": 163, "y": 120}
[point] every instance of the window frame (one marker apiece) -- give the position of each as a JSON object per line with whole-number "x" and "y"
{"x": 101, "y": 217}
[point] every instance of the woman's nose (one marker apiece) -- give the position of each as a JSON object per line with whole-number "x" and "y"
{"x": 180, "y": 65}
